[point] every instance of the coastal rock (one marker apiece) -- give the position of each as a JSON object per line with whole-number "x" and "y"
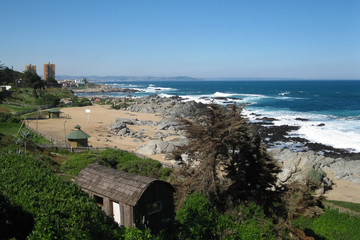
{"x": 162, "y": 147}
{"x": 167, "y": 106}
{"x": 125, "y": 121}
{"x": 296, "y": 166}
{"x": 120, "y": 129}
{"x": 147, "y": 123}
{"x": 102, "y": 88}
{"x": 157, "y": 147}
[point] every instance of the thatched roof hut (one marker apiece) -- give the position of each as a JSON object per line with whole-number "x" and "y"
{"x": 130, "y": 199}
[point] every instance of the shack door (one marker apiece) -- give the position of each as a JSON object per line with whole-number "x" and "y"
{"x": 117, "y": 213}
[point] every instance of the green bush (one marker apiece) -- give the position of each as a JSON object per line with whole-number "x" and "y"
{"x": 59, "y": 208}
{"x": 129, "y": 162}
{"x": 132, "y": 233}
{"x": 48, "y": 99}
{"x": 315, "y": 177}
{"x": 76, "y": 162}
{"x": 113, "y": 158}
{"x": 200, "y": 220}
{"x": 331, "y": 225}
{"x": 80, "y": 102}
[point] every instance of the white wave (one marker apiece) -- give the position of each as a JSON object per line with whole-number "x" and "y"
{"x": 153, "y": 89}
{"x": 326, "y": 129}
{"x": 220, "y": 94}
{"x": 339, "y": 134}
{"x": 284, "y": 93}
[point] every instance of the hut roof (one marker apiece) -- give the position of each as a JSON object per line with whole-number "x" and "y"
{"x": 77, "y": 134}
{"x": 54, "y": 110}
{"x": 114, "y": 184}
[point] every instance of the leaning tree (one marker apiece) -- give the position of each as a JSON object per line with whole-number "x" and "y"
{"x": 225, "y": 158}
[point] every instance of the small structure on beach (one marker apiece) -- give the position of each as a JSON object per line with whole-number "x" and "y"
{"x": 78, "y": 138}
{"x": 96, "y": 100}
{"x": 54, "y": 113}
{"x": 131, "y": 200}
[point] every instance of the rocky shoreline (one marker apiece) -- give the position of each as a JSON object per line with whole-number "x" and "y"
{"x": 103, "y": 88}
{"x": 295, "y": 162}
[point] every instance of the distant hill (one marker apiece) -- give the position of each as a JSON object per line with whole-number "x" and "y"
{"x": 128, "y": 78}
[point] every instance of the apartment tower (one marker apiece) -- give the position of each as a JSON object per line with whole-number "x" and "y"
{"x": 30, "y": 68}
{"x": 49, "y": 71}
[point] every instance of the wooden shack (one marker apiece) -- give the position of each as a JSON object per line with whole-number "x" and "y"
{"x": 78, "y": 138}
{"x": 131, "y": 200}
{"x": 54, "y": 113}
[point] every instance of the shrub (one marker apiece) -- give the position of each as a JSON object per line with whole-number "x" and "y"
{"x": 198, "y": 218}
{"x": 315, "y": 177}
{"x": 59, "y": 208}
{"x": 131, "y": 163}
{"x": 331, "y": 225}
{"x": 48, "y": 99}
{"x": 132, "y": 233}
{"x": 113, "y": 158}
{"x": 76, "y": 162}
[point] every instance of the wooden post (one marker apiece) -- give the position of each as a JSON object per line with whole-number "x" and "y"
{"x": 20, "y": 127}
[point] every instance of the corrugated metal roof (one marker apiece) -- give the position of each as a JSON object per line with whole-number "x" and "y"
{"x": 114, "y": 184}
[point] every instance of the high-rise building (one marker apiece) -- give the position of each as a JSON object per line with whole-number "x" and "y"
{"x": 30, "y": 68}
{"x": 49, "y": 71}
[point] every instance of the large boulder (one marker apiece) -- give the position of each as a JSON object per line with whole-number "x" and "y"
{"x": 297, "y": 165}
{"x": 157, "y": 147}
{"x": 162, "y": 147}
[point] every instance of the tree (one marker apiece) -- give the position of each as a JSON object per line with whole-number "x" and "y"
{"x": 226, "y": 160}
{"x": 33, "y": 81}
{"x": 8, "y": 75}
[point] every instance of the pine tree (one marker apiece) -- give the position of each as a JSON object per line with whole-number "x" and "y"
{"x": 225, "y": 158}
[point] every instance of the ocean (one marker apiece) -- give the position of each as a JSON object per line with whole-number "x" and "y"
{"x": 326, "y": 112}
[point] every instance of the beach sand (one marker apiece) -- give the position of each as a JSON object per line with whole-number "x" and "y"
{"x": 96, "y": 124}
{"x": 342, "y": 190}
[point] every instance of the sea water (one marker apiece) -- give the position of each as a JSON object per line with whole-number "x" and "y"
{"x": 331, "y": 108}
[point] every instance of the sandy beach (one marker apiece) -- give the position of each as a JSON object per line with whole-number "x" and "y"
{"x": 97, "y": 122}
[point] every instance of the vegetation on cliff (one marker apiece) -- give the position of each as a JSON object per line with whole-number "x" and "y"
{"x": 225, "y": 189}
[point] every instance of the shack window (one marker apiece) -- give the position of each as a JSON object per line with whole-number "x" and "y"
{"x": 99, "y": 200}
{"x": 152, "y": 208}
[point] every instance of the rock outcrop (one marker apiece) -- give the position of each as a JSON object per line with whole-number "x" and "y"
{"x": 162, "y": 147}
{"x": 296, "y": 167}
{"x": 174, "y": 107}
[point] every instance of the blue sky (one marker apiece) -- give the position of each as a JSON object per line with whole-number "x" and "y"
{"x": 254, "y": 38}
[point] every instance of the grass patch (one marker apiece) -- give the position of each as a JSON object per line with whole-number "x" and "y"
{"x": 124, "y": 161}
{"x": 331, "y": 225}
{"x": 76, "y": 162}
{"x": 9, "y": 128}
{"x": 349, "y": 205}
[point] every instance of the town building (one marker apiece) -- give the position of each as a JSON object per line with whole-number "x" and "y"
{"x": 30, "y": 68}
{"x": 49, "y": 71}
{"x": 131, "y": 200}
{"x": 80, "y": 82}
